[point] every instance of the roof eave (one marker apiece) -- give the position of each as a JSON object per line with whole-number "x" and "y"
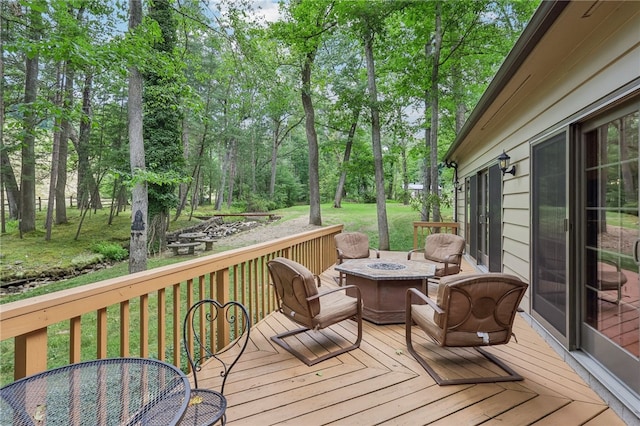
{"x": 544, "y": 17}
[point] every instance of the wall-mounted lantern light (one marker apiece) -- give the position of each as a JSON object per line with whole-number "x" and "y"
{"x": 503, "y": 163}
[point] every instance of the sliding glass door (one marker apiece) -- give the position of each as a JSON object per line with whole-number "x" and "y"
{"x": 610, "y": 329}
{"x": 549, "y": 291}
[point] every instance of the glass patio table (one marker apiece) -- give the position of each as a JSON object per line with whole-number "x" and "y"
{"x": 112, "y": 391}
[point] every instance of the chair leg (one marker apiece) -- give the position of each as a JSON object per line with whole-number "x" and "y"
{"x": 279, "y": 339}
{"x": 511, "y": 377}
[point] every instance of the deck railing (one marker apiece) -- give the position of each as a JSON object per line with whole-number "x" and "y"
{"x": 422, "y": 229}
{"x": 143, "y": 312}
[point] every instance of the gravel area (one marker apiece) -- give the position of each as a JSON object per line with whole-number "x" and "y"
{"x": 268, "y": 232}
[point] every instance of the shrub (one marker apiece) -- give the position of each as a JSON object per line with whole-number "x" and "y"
{"x": 110, "y": 251}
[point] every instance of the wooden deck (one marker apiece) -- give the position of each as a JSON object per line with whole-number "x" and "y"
{"x": 380, "y": 383}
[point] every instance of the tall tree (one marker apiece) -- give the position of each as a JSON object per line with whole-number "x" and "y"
{"x": 337, "y": 199}
{"x": 368, "y": 23}
{"x": 432, "y": 51}
{"x": 139, "y": 204}
{"x": 28, "y": 172}
{"x": 315, "y": 216}
{"x": 55, "y": 158}
{"x": 162, "y": 119}
{"x": 8, "y": 183}
{"x": 381, "y": 199}
{"x": 306, "y": 23}
{"x": 346, "y": 82}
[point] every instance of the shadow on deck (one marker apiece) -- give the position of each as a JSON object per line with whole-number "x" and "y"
{"x": 380, "y": 383}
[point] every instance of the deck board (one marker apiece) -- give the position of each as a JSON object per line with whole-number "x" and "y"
{"x": 380, "y": 383}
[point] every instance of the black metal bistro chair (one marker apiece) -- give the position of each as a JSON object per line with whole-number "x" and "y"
{"x": 201, "y": 343}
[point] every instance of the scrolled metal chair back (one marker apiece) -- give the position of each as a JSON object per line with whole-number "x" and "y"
{"x": 204, "y": 339}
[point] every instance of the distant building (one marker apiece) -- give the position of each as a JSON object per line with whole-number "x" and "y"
{"x": 415, "y": 189}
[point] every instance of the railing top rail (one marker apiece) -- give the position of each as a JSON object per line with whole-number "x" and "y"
{"x": 435, "y": 224}
{"x": 419, "y": 226}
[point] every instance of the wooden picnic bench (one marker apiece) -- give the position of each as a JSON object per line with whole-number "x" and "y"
{"x": 191, "y": 246}
{"x": 208, "y": 243}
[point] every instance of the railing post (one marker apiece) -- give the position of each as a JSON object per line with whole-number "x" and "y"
{"x": 30, "y": 353}
{"x": 451, "y": 227}
{"x": 75, "y": 339}
{"x": 102, "y": 334}
{"x": 222, "y": 293}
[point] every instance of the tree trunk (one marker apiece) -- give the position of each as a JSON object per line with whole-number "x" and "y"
{"x": 435, "y": 71}
{"x": 61, "y": 184}
{"x": 28, "y": 172}
{"x": 195, "y": 193}
{"x": 184, "y": 192}
{"x": 315, "y": 217}
{"x": 158, "y": 227}
{"x": 183, "y": 188}
{"x": 405, "y": 176}
{"x": 55, "y": 155}
{"x": 3, "y": 171}
{"x": 139, "y": 207}
{"x": 337, "y": 200}
{"x": 223, "y": 177}
{"x": 10, "y": 185}
{"x": 87, "y": 186}
{"x": 274, "y": 156}
{"x": 278, "y": 138}
{"x": 381, "y": 201}
{"x": 232, "y": 170}
{"x": 426, "y": 175}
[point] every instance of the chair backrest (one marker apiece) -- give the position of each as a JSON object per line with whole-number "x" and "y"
{"x": 353, "y": 245}
{"x": 444, "y": 247}
{"x": 201, "y": 339}
{"x": 478, "y": 306}
{"x": 294, "y": 284}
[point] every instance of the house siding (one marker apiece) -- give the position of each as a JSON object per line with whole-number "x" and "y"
{"x": 586, "y": 61}
{"x": 569, "y": 85}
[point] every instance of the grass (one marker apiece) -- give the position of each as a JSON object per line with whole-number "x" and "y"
{"x": 363, "y": 218}
{"x": 33, "y": 255}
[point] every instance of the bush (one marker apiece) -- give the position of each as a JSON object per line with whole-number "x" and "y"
{"x": 110, "y": 251}
{"x": 631, "y": 208}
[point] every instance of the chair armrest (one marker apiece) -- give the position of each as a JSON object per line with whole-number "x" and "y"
{"x": 324, "y": 293}
{"x": 339, "y": 254}
{"x": 453, "y": 258}
{"x": 412, "y": 291}
{"x": 414, "y": 251}
{"x": 376, "y": 252}
{"x": 610, "y": 262}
